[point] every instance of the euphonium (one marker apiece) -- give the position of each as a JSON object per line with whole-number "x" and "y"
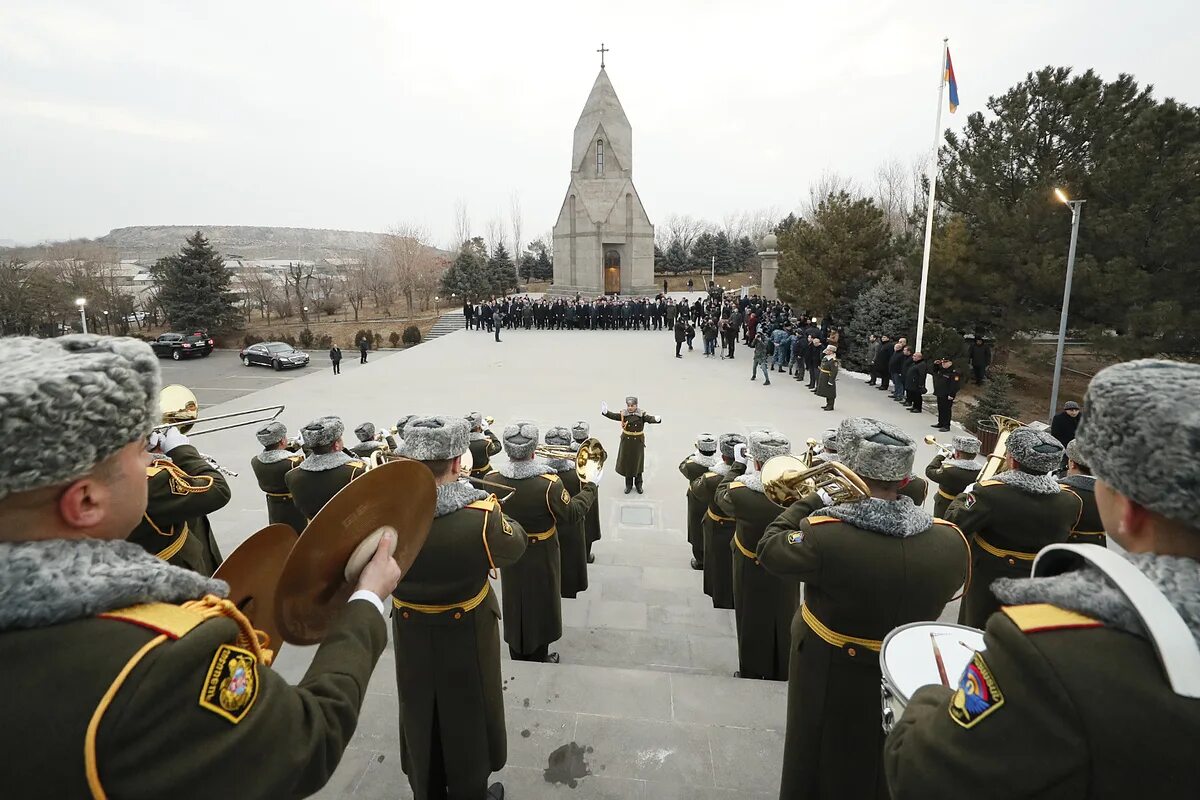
{"x": 786, "y": 479}
{"x": 1005, "y": 426}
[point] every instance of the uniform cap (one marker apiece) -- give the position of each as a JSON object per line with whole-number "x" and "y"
{"x": 435, "y": 438}
{"x": 706, "y": 443}
{"x": 1073, "y": 454}
{"x": 631, "y": 400}
{"x": 475, "y": 419}
{"x": 1036, "y": 451}
{"x": 876, "y": 450}
{"x": 580, "y": 431}
{"x": 763, "y": 445}
{"x": 365, "y": 432}
{"x": 967, "y": 444}
{"x": 520, "y": 439}
{"x": 323, "y": 431}
{"x": 728, "y": 441}
{"x": 271, "y": 433}
{"x": 558, "y": 435}
{"x": 829, "y": 440}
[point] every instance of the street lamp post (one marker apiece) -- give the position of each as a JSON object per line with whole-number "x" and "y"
{"x": 82, "y": 303}
{"x": 1076, "y": 207}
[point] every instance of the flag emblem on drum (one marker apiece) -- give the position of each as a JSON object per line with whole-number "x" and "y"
{"x": 978, "y": 694}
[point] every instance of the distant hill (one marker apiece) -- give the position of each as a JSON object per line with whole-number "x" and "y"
{"x": 247, "y": 241}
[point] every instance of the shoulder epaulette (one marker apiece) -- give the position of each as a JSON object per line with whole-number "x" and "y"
{"x": 820, "y": 519}
{"x": 736, "y": 484}
{"x": 488, "y": 504}
{"x": 947, "y": 523}
{"x": 165, "y": 618}
{"x": 991, "y": 482}
{"x": 355, "y": 463}
{"x": 153, "y": 470}
{"x": 1037, "y": 617}
{"x": 709, "y": 474}
{"x": 296, "y": 459}
{"x": 550, "y": 476}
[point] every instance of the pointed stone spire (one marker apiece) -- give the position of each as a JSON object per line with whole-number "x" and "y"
{"x": 603, "y": 117}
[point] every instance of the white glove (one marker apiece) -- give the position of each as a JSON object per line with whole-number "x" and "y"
{"x": 155, "y": 441}
{"x": 603, "y": 408}
{"x": 739, "y": 453}
{"x": 171, "y": 439}
{"x": 825, "y": 498}
{"x": 599, "y": 476}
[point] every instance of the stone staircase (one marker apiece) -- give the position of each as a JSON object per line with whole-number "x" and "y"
{"x": 449, "y": 322}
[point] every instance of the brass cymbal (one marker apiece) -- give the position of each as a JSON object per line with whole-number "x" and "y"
{"x": 313, "y": 587}
{"x": 252, "y": 572}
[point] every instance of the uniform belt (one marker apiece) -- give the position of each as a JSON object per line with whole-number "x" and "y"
{"x": 741, "y": 547}
{"x": 280, "y": 495}
{"x": 834, "y": 638}
{"x": 468, "y": 605}
{"x": 541, "y": 537}
{"x": 168, "y": 552}
{"x": 634, "y": 433}
{"x": 1000, "y": 552}
{"x": 946, "y": 495}
{"x": 825, "y": 372}
{"x": 718, "y": 517}
{"x": 1089, "y": 533}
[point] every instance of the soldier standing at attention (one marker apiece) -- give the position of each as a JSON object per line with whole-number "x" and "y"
{"x": 323, "y": 474}
{"x": 446, "y": 631}
{"x": 764, "y": 602}
{"x": 946, "y": 380}
{"x": 484, "y": 445}
{"x": 137, "y": 656}
{"x": 867, "y": 567}
{"x": 693, "y": 467}
{"x": 580, "y": 432}
{"x": 631, "y": 457}
{"x": 717, "y": 528}
{"x": 827, "y": 378}
{"x": 532, "y": 586}
{"x": 270, "y": 467}
{"x": 1068, "y": 662}
{"x": 182, "y": 488}
{"x": 1010, "y": 517}
{"x": 572, "y": 546}
{"x": 953, "y": 475}
{"x": 1088, "y": 529}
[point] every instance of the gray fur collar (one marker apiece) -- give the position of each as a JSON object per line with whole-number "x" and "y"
{"x": 453, "y": 496}
{"x": 1087, "y": 591}
{"x": 753, "y": 481}
{"x": 1085, "y": 482}
{"x": 274, "y": 456}
{"x": 477, "y": 436}
{"x": 899, "y": 517}
{"x": 560, "y": 464}
{"x": 325, "y": 461}
{"x": 1030, "y": 484}
{"x": 721, "y": 468}
{"x": 828, "y": 457}
{"x": 59, "y": 580}
{"x": 706, "y": 461}
{"x": 518, "y": 470}
{"x": 970, "y": 464}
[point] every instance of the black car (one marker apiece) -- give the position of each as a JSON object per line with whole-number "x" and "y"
{"x": 182, "y": 345}
{"x": 274, "y": 354}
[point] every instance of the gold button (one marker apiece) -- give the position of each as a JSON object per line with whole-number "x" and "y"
{"x": 851, "y": 651}
{"x": 458, "y": 615}
{"x": 405, "y": 615}
{"x": 1012, "y": 562}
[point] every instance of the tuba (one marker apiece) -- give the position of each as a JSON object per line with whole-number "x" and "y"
{"x": 787, "y": 478}
{"x": 1004, "y": 426}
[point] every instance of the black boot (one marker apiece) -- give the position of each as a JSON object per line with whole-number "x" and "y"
{"x": 495, "y": 791}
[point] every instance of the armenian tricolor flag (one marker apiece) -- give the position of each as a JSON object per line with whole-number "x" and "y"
{"x": 949, "y": 78}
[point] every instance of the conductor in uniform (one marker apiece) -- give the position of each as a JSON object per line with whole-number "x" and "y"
{"x": 1010, "y": 517}
{"x": 1070, "y": 697}
{"x": 868, "y": 566}
{"x": 631, "y": 457}
{"x": 133, "y": 678}
{"x": 953, "y": 475}
{"x": 484, "y": 445}
{"x": 580, "y": 432}
{"x": 693, "y": 467}
{"x": 327, "y": 471}
{"x": 270, "y": 467}
{"x": 445, "y": 627}
{"x": 1089, "y": 528}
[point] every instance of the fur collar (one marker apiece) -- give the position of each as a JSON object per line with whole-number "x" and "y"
{"x": 706, "y": 461}
{"x": 453, "y": 496}
{"x": 49, "y": 582}
{"x": 1030, "y": 484}
{"x": 1087, "y": 591}
{"x": 899, "y": 517}
{"x": 969, "y": 464}
{"x": 721, "y": 468}
{"x": 560, "y": 464}
{"x": 274, "y": 456}
{"x": 1086, "y": 483}
{"x": 753, "y": 481}
{"x": 518, "y": 470}
{"x": 828, "y": 457}
{"x": 477, "y": 436}
{"x": 325, "y": 461}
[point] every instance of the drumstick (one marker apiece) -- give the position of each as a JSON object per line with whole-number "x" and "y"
{"x": 937, "y": 656}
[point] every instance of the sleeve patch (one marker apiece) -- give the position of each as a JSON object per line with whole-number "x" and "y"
{"x": 969, "y": 501}
{"x": 796, "y": 537}
{"x": 978, "y": 694}
{"x": 231, "y": 685}
{"x": 566, "y": 496}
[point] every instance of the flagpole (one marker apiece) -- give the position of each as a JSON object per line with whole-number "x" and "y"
{"x": 937, "y": 135}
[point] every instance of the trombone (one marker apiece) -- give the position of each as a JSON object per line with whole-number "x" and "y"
{"x": 181, "y": 410}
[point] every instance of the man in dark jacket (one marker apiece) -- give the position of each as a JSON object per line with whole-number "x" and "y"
{"x": 873, "y": 346}
{"x": 946, "y": 380}
{"x": 979, "y": 356}
{"x": 1063, "y": 426}
{"x": 882, "y": 357}
{"x": 914, "y": 382}
{"x": 335, "y": 358}
{"x": 896, "y": 369}
{"x": 363, "y": 346}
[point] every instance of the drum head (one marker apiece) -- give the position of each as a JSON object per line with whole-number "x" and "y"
{"x": 907, "y": 656}
{"x": 252, "y": 572}
{"x": 312, "y": 588}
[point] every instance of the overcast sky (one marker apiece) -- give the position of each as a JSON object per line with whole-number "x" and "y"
{"x": 363, "y": 115}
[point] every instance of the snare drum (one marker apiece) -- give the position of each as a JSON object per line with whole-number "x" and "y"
{"x": 908, "y": 661}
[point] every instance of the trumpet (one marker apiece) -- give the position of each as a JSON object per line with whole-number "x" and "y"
{"x": 943, "y": 449}
{"x": 810, "y": 452}
{"x": 787, "y": 478}
{"x": 589, "y": 458}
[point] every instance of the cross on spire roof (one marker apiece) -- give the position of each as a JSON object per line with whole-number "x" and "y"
{"x": 602, "y": 51}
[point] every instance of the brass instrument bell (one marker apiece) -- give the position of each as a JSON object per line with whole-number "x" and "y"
{"x": 787, "y": 478}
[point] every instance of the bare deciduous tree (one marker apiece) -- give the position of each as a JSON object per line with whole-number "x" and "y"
{"x": 299, "y": 276}
{"x": 679, "y": 227}
{"x": 514, "y": 217}
{"x": 829, "y": 182}
{"x": 495, "y": 232}
{"x": 462, "y": 225}
{"x": 409, "y": 257}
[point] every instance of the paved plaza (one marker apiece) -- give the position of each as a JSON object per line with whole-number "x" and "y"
{"x": 644, "y": 704}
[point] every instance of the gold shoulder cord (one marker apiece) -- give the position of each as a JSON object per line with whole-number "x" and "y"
{"x": 181, "y": 482}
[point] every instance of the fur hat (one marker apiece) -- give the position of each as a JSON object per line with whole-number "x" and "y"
{"x": 1073, "y": 454}
{"x": 520, "y": 438}
{"x": 475, "y": 420}
{"x": 400, "y": 423}
{"x": 763, "y": 445}
{"x": 728, "y": 441}
{"x": 967, "y": 443}
{"x": 829, "y": 441}
{"x": 706, "y": 443}
{"x": 1139, "y": 434}
{"x": 1036, "y": 451}
{"x": 1070, "y": 405}
{"x": 876, "y": 450}
{"x": 435, "y": 438}
{"x": 365, "y": 432}
{"x": 558, "y": 436}
{"x": 271, "y": 433}
{"x": 580, "y": 431}
{"x": 68, "y": 403}
{"x": 631, "y": 400}
{"x": 322, "y": 431}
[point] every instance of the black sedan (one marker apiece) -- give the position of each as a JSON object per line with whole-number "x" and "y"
{"x": 182, "y": 345}
{"x": 274, "y": 354}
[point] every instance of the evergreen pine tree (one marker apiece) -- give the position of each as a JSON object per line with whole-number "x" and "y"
{"x": 193, "y": 288}
{"x": 746, "y": 254}
{"x": 544, "y": 269}
{"x": 501, "y": 272}
{"x": 884, "y": 307}
{"x": 703, "y": 249}
{"x": 996, "y": 398}
{"x": 528, "y": 266}
{"x": 676, "y": 257}
{"x": 723, "y": 249}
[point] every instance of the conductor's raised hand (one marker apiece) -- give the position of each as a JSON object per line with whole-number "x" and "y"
{"x": 382, "y": 573}
{"x": 603, "y": 407}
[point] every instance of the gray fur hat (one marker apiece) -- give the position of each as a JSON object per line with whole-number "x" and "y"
{"x": 400, "y": 423}
{"x": 558, "y": 435}
{"x": 1073, "y": 454}
{"x": 79, "y": 398}
{"x": 271, "y": 433}
{"x": 876, "y": 450}
{"x": 580, "y": 431}
{"x": 435, "y": 438}
{"x": 728, "y": 441}
{"x": 829, "y": 441}
{"x": 520, "y": 438}
{"x": 365, "y": 432}
{"x": 1036, "y": 451}
{"x": 763, "y": 445}
{"x": 475, "y": 420}
{"x": 706, "y": 443}
{"x": 967, "y": 443}
{"x": 1139, "y": 434}
{"x": 631, "y": 400}
{"x": 322, "y": 431}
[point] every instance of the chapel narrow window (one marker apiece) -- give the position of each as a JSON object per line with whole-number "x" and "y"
{"x": 599, "y": 158}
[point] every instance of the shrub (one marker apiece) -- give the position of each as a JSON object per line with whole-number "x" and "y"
{"x": 412, "y": 335}
{"x": 360, "y": 334}
{"x": 325, "y": 342}
{"x": 378, "y": 340}
{"x": 996, "y": 398}
{"x": 251, "y": 338}
{"x": 289, "y": 339}
{"x": 394, "y": 338}
{"x": 306, "y": 338}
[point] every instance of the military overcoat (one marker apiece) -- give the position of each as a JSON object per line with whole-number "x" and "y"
{"x": 632, "y": 452}
{"x": 270, "y": 475}
{"x": 950, "y": 480}
{"x": 717, "y": 530}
